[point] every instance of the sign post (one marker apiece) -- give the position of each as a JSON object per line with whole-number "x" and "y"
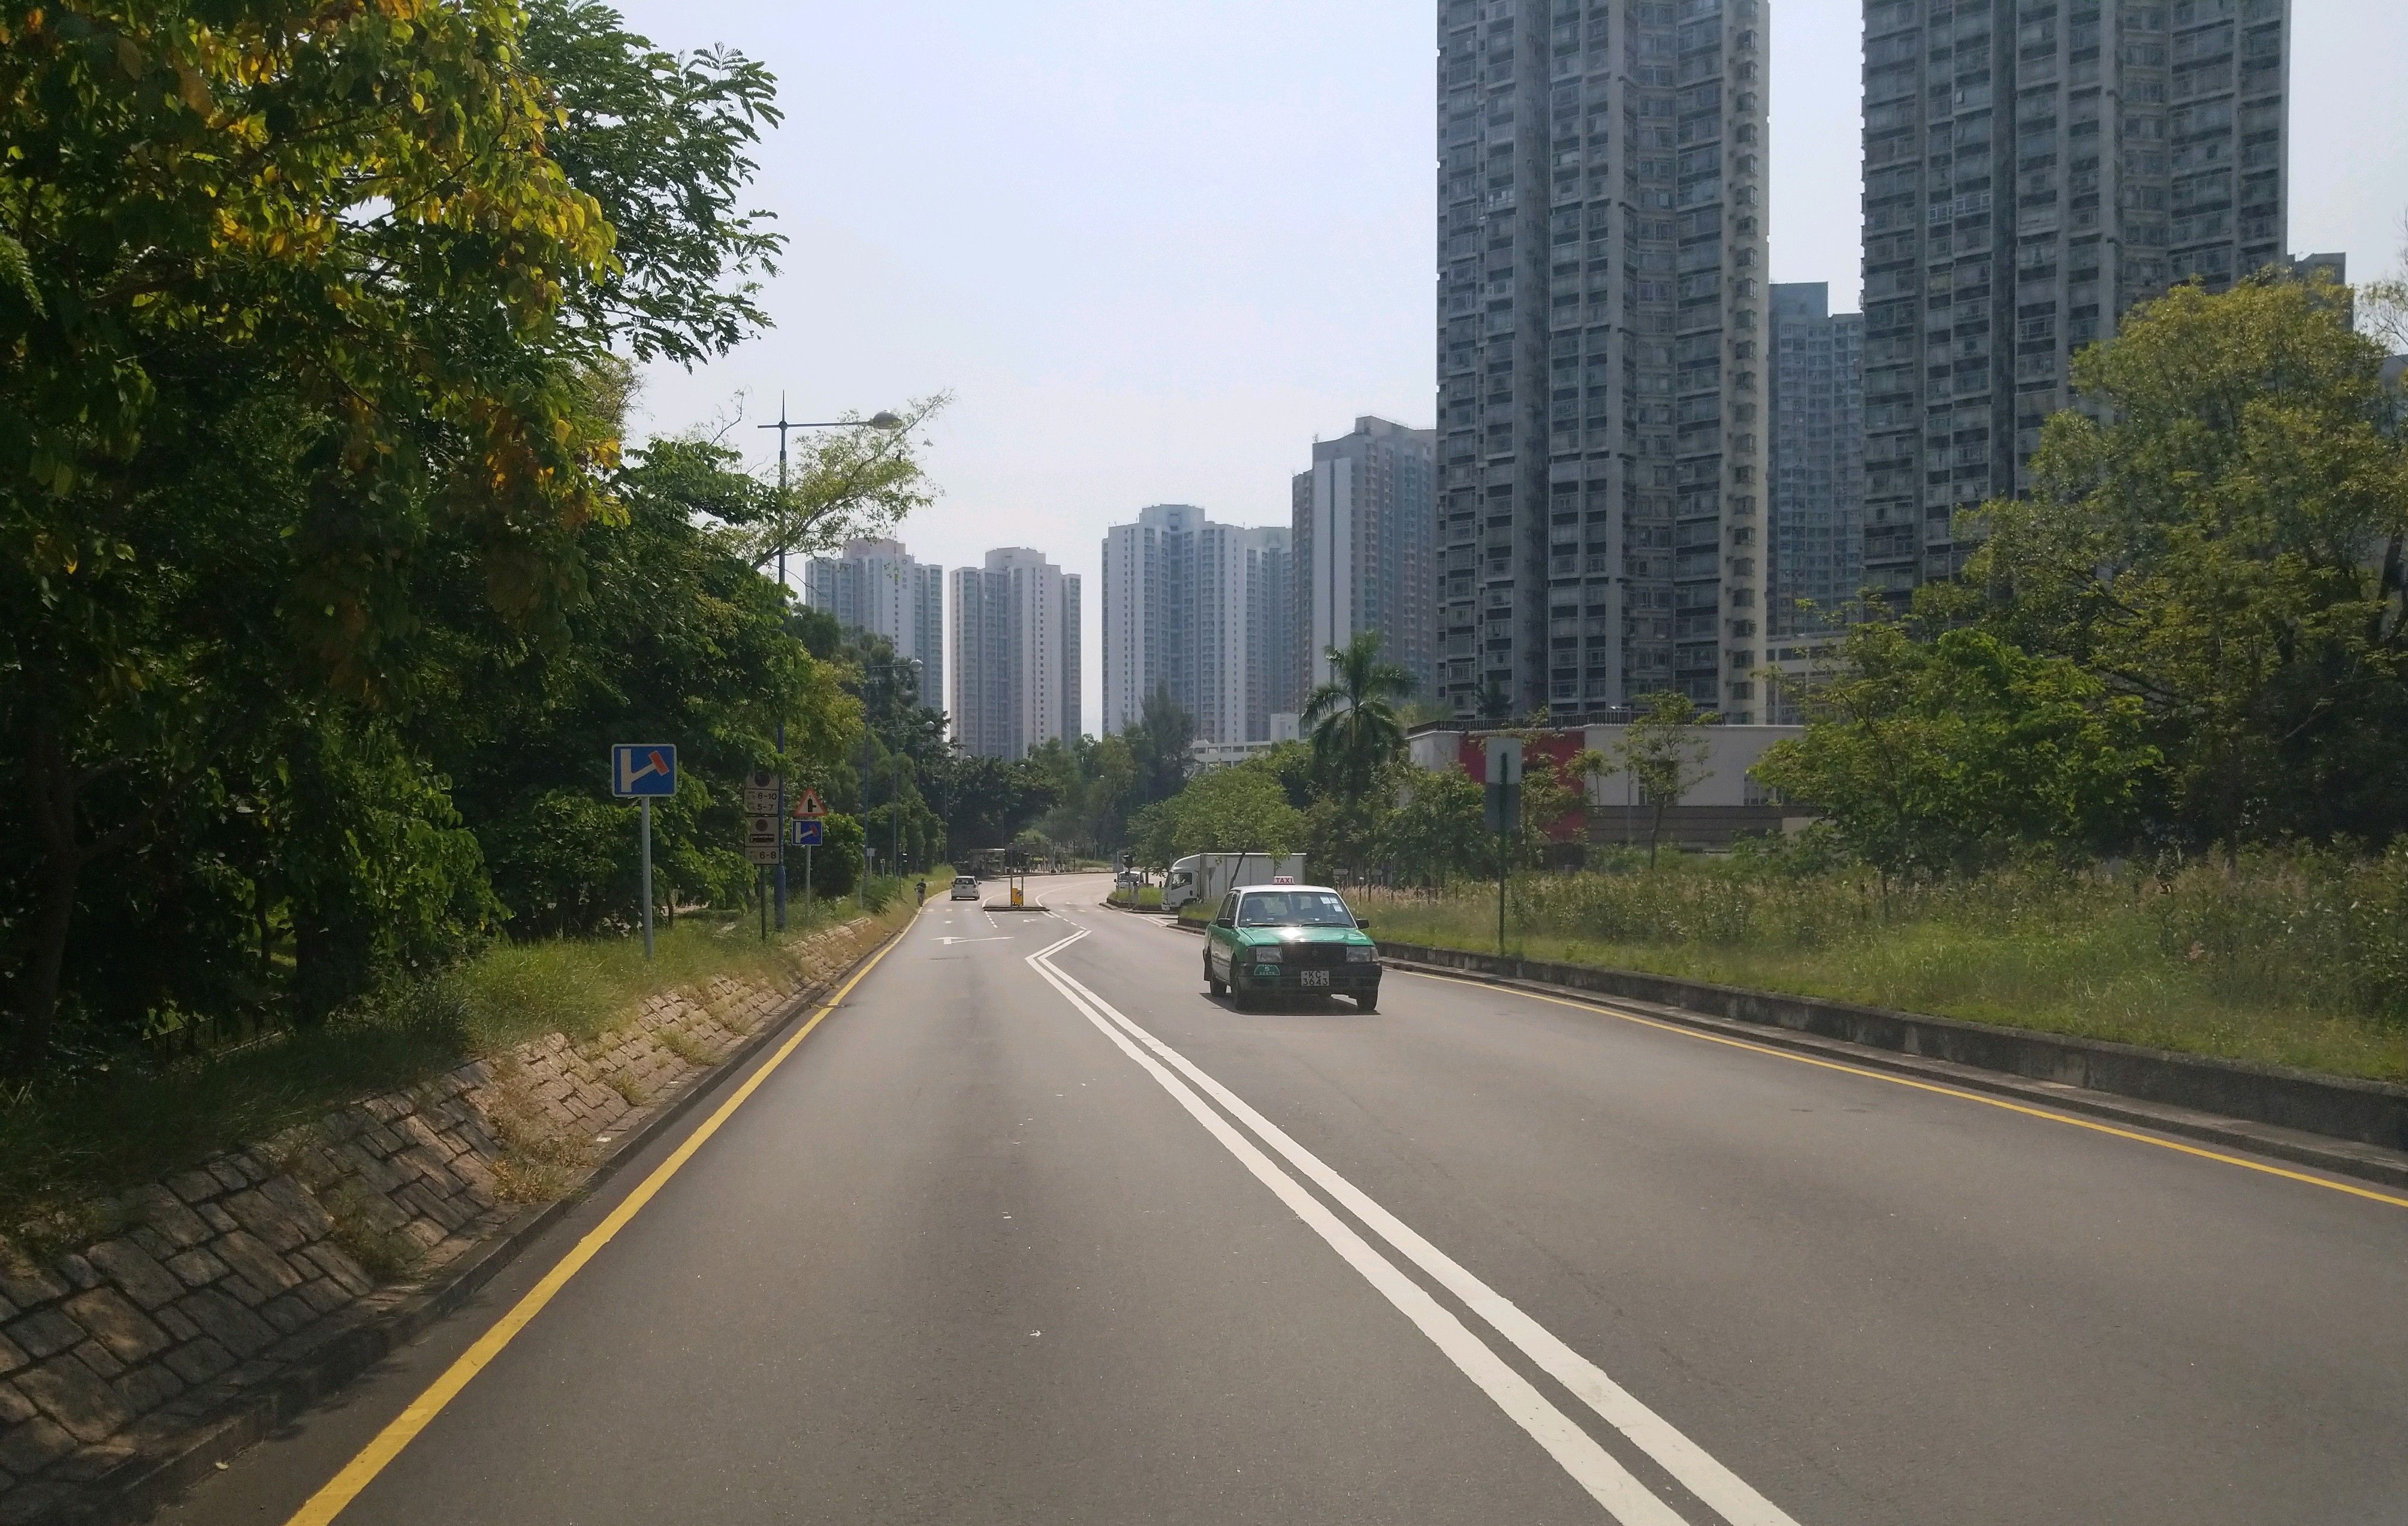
{"x": 763, "y": 790}
{"x": 805, "y": 830}
{"x": 643, "y": 771}
{"x": 1503, "y": 801}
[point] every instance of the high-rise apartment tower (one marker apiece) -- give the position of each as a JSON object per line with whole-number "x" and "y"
{"x": 1816, "y": 542}
{"x": 1203, "y": 611}
{"x": 1602, "y": 374}
{"x": 1365, "y": 530}
{"x": 876, "y": 587}
{"x": 1015, "y": 656}
{"x": 2034, "y": 168}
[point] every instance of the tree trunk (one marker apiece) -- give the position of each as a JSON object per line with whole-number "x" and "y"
{"x": 51, "y": 787}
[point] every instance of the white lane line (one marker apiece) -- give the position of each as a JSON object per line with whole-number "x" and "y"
{"x": 1698, "y": 1471}
{"x": 1611, "y": 1485}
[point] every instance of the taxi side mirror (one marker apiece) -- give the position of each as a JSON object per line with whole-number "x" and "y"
{"x": 1362, "y": 923}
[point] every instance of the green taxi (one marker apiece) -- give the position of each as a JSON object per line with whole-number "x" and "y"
{"x": 1289, "y": 940}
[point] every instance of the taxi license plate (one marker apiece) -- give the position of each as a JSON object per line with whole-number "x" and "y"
{"x": 1312, "y": 977}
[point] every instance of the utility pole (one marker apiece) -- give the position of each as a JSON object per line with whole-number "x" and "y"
{"x": 782, "y": 426}
{"x": 880, "y": 420}
{"x": 1503, "y": 799}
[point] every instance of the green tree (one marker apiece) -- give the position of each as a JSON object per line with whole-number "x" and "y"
{"x": 324, "y": 578}
{"x": 2219, "y": 536}
{"x": 1352, "y": 719}
{"x": 673, "y": 636}
{"x": 1664, "y": 754}
{"x": 662, "y": 142}
{"x": 1438, "y": 831}
{"x": 847, "y": 485}
{"x": 2383, "y": 305}
{"x": 1240, "y": 808}
{"x": 1953, "y": 753}
{"x": 984, "y": 802}
{"x": 1158, "y": 747}
{"x": 1091, "y": 780}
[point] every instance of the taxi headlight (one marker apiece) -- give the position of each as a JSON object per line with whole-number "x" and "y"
{"x": 1356, "y": 953}
{"x": 1269, "y": 953}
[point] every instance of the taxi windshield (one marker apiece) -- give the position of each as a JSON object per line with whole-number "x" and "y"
{"x": 1293, "y": 909}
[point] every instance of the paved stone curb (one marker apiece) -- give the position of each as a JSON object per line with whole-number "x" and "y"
{"x": 237, "y": 1296}
{"x": 2340, "y": 1156}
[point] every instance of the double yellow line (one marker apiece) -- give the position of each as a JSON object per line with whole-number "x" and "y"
{"x": 345, "y": 1487}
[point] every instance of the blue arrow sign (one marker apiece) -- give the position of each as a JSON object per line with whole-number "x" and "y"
{"x": 803, "y": 832}
{"x": 639, "y": 768}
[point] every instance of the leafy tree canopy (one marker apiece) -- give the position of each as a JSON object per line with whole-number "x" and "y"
{"x": 2219, "y": 538}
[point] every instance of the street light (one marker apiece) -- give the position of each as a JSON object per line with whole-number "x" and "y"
{"x": 883, "y": 419}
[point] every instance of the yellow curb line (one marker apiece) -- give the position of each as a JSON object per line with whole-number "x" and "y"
{"x": 2108, "y": 1129}
{"x": 345, "y": 1487}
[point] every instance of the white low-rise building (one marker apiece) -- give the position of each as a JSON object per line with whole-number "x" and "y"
{"x": 1726, "y": 802}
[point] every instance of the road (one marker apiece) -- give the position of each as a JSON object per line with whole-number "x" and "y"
{"x": 1051, "y": 1237}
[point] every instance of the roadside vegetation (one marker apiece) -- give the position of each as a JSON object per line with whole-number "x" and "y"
{"x": 65, "y": 1148}
{"x": 2141, "y": 772}
{"x": 330, "y": 571}
{"x": 2297, "y": 958}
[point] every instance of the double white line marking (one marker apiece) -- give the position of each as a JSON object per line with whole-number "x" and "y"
{"x": 1624, "y": 1497}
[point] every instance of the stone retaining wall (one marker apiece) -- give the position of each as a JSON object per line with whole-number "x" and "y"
{"x": 221, "y": 1277}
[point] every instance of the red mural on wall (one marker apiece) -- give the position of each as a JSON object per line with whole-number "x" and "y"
{"x": 1540, "y": 749}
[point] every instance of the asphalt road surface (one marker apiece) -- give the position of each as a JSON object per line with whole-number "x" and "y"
{"x": 1031, "y": 1231}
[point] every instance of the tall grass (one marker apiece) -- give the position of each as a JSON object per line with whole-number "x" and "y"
{"x": 2296, "y": 958}
{"x": 66, "y": 1149}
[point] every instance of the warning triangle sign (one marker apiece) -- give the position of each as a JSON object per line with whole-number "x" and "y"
{"x": 808, "y": 804}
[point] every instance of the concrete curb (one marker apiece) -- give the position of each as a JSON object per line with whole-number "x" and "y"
{"x": 155, "y": 1476}
{"x": 2034, "y": 1069}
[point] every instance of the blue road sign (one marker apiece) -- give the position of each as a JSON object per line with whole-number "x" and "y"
{"x": 803, "y": 832}
{"x": 639, "y": 768}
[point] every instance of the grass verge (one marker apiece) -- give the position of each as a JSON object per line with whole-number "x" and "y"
{"x": 65, "y": 1152}
{"x": 2097, "y": 962}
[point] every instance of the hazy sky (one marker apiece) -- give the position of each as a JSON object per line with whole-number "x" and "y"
{"x": 1155, "y": 249}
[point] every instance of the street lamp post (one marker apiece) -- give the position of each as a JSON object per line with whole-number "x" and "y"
{"x": 880, "y": 420}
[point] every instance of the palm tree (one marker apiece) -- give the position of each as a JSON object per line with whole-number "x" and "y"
{"x": 1357, "y": 732}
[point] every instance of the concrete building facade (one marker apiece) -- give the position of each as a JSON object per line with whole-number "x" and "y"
{"x": 1364, "y": 533}
{"x": 1815, "y": 548}
{"x": 2033, "y": 169}
{"x": 1602, "y": 438}
{"x": 1015, "y": 654}
{"x": 1202, "y": 609}
{"x": 876, "y": 587}
{"x": 1723, "y": 802}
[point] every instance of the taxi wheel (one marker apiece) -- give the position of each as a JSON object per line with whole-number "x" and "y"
{"x": 1368, "y": 1001}
{"x": 1212, "y": 986}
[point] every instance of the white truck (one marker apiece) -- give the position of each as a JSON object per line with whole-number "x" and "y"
{"x": 1208, "y": 876}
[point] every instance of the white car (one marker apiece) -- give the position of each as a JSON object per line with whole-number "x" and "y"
{"x": 965, "y": 887}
